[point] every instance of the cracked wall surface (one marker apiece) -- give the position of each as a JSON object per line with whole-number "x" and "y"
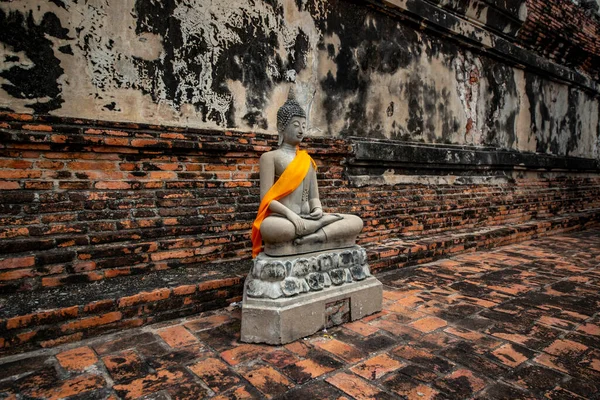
{"x": 225, "y": 65}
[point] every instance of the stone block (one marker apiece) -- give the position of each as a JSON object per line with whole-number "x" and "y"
{"x": 285, "y": 319}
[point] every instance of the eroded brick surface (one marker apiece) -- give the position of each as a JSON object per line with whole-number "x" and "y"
{"x": 77, "y": 359}
{"x": 470, "y": 335}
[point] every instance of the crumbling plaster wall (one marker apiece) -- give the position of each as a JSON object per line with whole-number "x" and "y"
{"x": 225, "y": 65}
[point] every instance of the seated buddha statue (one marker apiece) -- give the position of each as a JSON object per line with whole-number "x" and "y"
{"x": 290, "y": 218}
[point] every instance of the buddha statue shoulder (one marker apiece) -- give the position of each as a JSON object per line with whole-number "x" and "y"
{"x": 290, "y": 218}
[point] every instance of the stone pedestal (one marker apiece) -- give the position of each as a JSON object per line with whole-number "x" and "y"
{"x": 290, "y": 297}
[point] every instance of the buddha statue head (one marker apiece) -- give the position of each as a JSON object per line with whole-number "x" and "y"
{"x": 286, "y": 113}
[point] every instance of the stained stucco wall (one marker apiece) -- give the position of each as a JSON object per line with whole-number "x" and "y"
{"x": 224, "y": 65}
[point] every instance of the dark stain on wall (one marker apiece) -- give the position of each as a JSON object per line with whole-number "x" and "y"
{"x": 247, "y": 61}
{"x": 573, "y": 121}
{"x": 450, "y": 124}
{"x": 381, "y": 45}
{"x": 40, "y": 80}
{"x": 112, "y": 106}
{"x": 541, "y": 127}
{"x": 66, "y": 49}
{"x": 372, "y": 43}
{"x": 157, "y": 18}
{"x": 501, "y": 86}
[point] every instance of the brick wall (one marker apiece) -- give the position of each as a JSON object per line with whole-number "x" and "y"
{"x": 563, "y": 32}
{"x": 83, "y": 201}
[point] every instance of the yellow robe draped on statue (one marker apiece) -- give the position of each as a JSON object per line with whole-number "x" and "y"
{"x": 289, "y": 180}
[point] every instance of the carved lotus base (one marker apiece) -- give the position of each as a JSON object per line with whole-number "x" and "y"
{"x": 290, "y": 297}
{"x": 286, "y": 276}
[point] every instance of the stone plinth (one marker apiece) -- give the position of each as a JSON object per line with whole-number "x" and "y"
{"x": 287, "y": 298}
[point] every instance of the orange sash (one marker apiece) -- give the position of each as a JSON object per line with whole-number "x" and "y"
{"x": 289, "y": 180}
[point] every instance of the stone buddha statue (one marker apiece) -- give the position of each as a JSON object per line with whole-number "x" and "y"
{"x": 311, "y": 274}
{"x": 290, "y": 218}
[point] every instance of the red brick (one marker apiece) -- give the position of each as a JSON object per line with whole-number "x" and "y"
{"x": 162, "y": 379}
{"x": 99, "y": 306}
{"x": 510, "y": 356}
{"x": 62, "y": 340}
{"x": 144, "y": 142}
{"x": 428, "y": 324}
{"x": 116, "y": 141}
{"x": 17, "y": 274}
{"x": 280, "y": 358}
{"x": 162, "y": 175}
{"x": 112, "y": 185}
{"x": 564, "y": 347}
{"x": 20, "y": 117}
{"x": 55, "y": 165}
{"x": 243, "y": 353}
{"x": 91, "y": 166}
{"x": 237, "y": 394}
{"x": 215, "y": 374}
{"x": 20, "y": 321}
{"x": 590, "y": 329}
{"x": 105, "y": 132}
{"x": 353, "y": 386}
{"x": 156, "y": 295}
{"x": 42, "y": 128}
{"x": 91, "y": 322}
{"x": 361, "y": 328}
{"x": 78, "y": 385}
{"x": 130, "y": 300}
{"x": 343, "y": 350}
{"x": 77, "y": 359}
{"x": 9, "y": 185}
{"x": 217, "y": 284}
{"x": 172, "y": 255}
{"x": 42, "y": 317}
{"x": 18, "y": 262}
{"x": 266, "y": 379}
{"x": 25, "y": 337}
{"x": 9, "y": 174}
{"x": 461, "y": 383}
{"x": 124, "y": 365}
{"x": 15, "y": 164}
{"x": 113, "y": 273}
{"x": 177, "y": 336}
{"x": 183, "y": 290}
{"x": 205, "y": 323}
{"x": 37, "y": 185}
{"x": 376, "y": 367}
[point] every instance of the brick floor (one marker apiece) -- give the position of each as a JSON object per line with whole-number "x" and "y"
{"x": 519, "y": 322}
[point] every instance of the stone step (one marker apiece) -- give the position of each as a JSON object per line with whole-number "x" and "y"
{"x": 47, "y": 318}
{"x": 397, "y": 253}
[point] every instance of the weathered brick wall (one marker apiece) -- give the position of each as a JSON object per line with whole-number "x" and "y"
{"x": 563, "y": 32}
{"x": 83, "y": 200}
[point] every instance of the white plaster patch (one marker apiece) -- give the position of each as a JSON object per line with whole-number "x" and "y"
{"x": 468, "y": 69}
{"x": 588, "y": 117}
{"x": 524, "y": 139}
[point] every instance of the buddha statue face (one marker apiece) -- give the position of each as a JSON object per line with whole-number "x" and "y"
{"x": 294, "y": 131}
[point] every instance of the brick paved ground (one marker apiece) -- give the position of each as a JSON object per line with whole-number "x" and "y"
{"x": 519, "y": 322}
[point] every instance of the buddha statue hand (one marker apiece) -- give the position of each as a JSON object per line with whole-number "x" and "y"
{"x": 300, "y": 224}
{"x": 316, "y": 213}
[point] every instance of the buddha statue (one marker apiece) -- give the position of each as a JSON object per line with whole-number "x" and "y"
{"x": 311, "y": 274}
{"x": 290, "y": 218}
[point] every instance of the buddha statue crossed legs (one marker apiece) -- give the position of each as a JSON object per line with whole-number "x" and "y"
{"x": 290, "y": 218}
